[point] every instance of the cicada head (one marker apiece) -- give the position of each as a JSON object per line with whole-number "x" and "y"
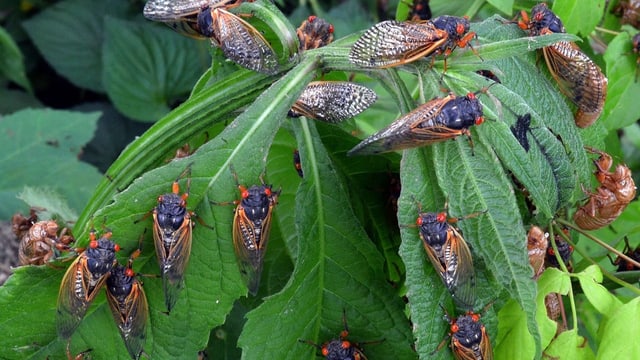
{"x": 543, "y": 18}
{"x": 469, "y": 339}
{"x": 314, "y": 33}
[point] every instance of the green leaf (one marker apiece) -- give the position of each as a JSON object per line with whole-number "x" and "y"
{"x": 570, "y": 345}
{"x": 551, "y": 281}
{"x": 512, "y": 329}
{"x": 14, "y": 100}
{"x": 624, "y": 88}
{"x": 69, "y": 36}
{"x": 55, "y": 206}
{"x": 619, "y": 329}
{"x": 579, "y": 16}
{"x": 135, "y": 53}
{"x": 337, "y": 268}
{"x": 31, "y": 138}
{"x": 12, "y": 61}
{"x": 597, "y": 295}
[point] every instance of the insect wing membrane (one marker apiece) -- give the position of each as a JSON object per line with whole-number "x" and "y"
{"x": 458, "y": 274}
{"x": 414, "y": 129}
{"x": 75, "y": 296}
{"x": 173, "y": 250}
{"x": 579, "y": 78}
{"x": 333, "y": 101}
{"x": 392, "y": 43}
{"x": 250, "y": 247}
{"x": 168, "y": 10}
{"x": 130, "y": 310}
{"x": 242, "y": 43}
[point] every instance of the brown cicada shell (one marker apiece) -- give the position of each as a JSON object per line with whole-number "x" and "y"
{"x": 537, "y": 241}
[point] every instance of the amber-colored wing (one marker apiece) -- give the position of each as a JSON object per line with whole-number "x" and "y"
{"x": 393, "y": 43}
{"x": 74, "y": 297}
{"x": 579, "y": 78}
{"x": 173, "y": 251}
{"x": 416, "y": 128}
{"x": 131, "y": 318}
{"x": 250, "y": 244}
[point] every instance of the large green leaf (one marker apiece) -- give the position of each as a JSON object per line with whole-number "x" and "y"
{"x": 337, "y": 269}
{"x": 69, "y": 36}
{"x": 31, "y": 138}
{"x": 579, "y": 16}
{"x": 149, "y": 68}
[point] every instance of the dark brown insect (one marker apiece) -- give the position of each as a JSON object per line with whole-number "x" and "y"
{"x": 172, "y": 235}
{"x": 553, "y": 304}
{"x": 613, "y": 195}
{"x": 564, "y": 250}
{"x": 82, "y": 281}
{"x": 239, "y": 40}
{"x": 332, "y": 101}
{"x": 251, "y": 227}
{"x": 537, "y": 242}
{"x": 630, "y": 12}
{"x": 129, "y": 307}
{"x": 469, "y": 338}
{"x": 449, "y": 254}
{"x": 296, "y": 162}
{"x": 419, "y": 10}
{"x": 314, "y": 33}
{"x": 489, "y": 75}
{"x": 341, "y": 348}
{"x": 624, "y": 265}
{"x": 434, "y": 121}
{"x": 578, "y": 77}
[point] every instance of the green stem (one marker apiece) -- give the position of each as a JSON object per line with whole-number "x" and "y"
{"x": 563, "y": 266}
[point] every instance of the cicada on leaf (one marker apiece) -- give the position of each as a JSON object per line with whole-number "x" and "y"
{"x": 172, "y": 235}
{"x": 129, "y": 307}
{"x": 332, "y": 101}
{"x": 314, "y": 33}
{"x": 341, "y": 348}
{"x": 240, "y": 41}
{"x": 82, "y": 281}
{"x": 469, "y": 338}
{"x": 251, "y": 227}
{"x": 578, "y": 77}
{"x": 449, "y": 254}
{"x": 434, "y": 121}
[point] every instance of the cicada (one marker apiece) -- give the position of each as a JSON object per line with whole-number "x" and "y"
{"x": 82, "y": 281}
{"x": 578, "y": 77}
{"x": 340, "y": 348}
{"x": 129, "y": 307}
{"x": 238, "y": 39}
{"x": 393, "y": 43}
{"x": 39, "y": 240}
{"x": 624, "y": 265}
{"x": 613, "y": 195}
{"x": 564, "y": 250}
{"x": 314, "y": 33}
{"x": 251, "y": 227}
{"x": 172, "y": 235}
{"x": 296, "y": 162}
{"x": 419, "y": 11}
{"x": 469, "y": 338}
{"x": 332, "y": 101}
{"x": 435, "y": 121}
{"x": 449, "y": 254}
{"x": 537, "y": 242}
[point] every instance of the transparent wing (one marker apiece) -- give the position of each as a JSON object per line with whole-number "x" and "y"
{"x": 333, "y": 101}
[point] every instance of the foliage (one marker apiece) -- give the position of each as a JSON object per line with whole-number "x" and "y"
{"x": 336, "y": 244}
